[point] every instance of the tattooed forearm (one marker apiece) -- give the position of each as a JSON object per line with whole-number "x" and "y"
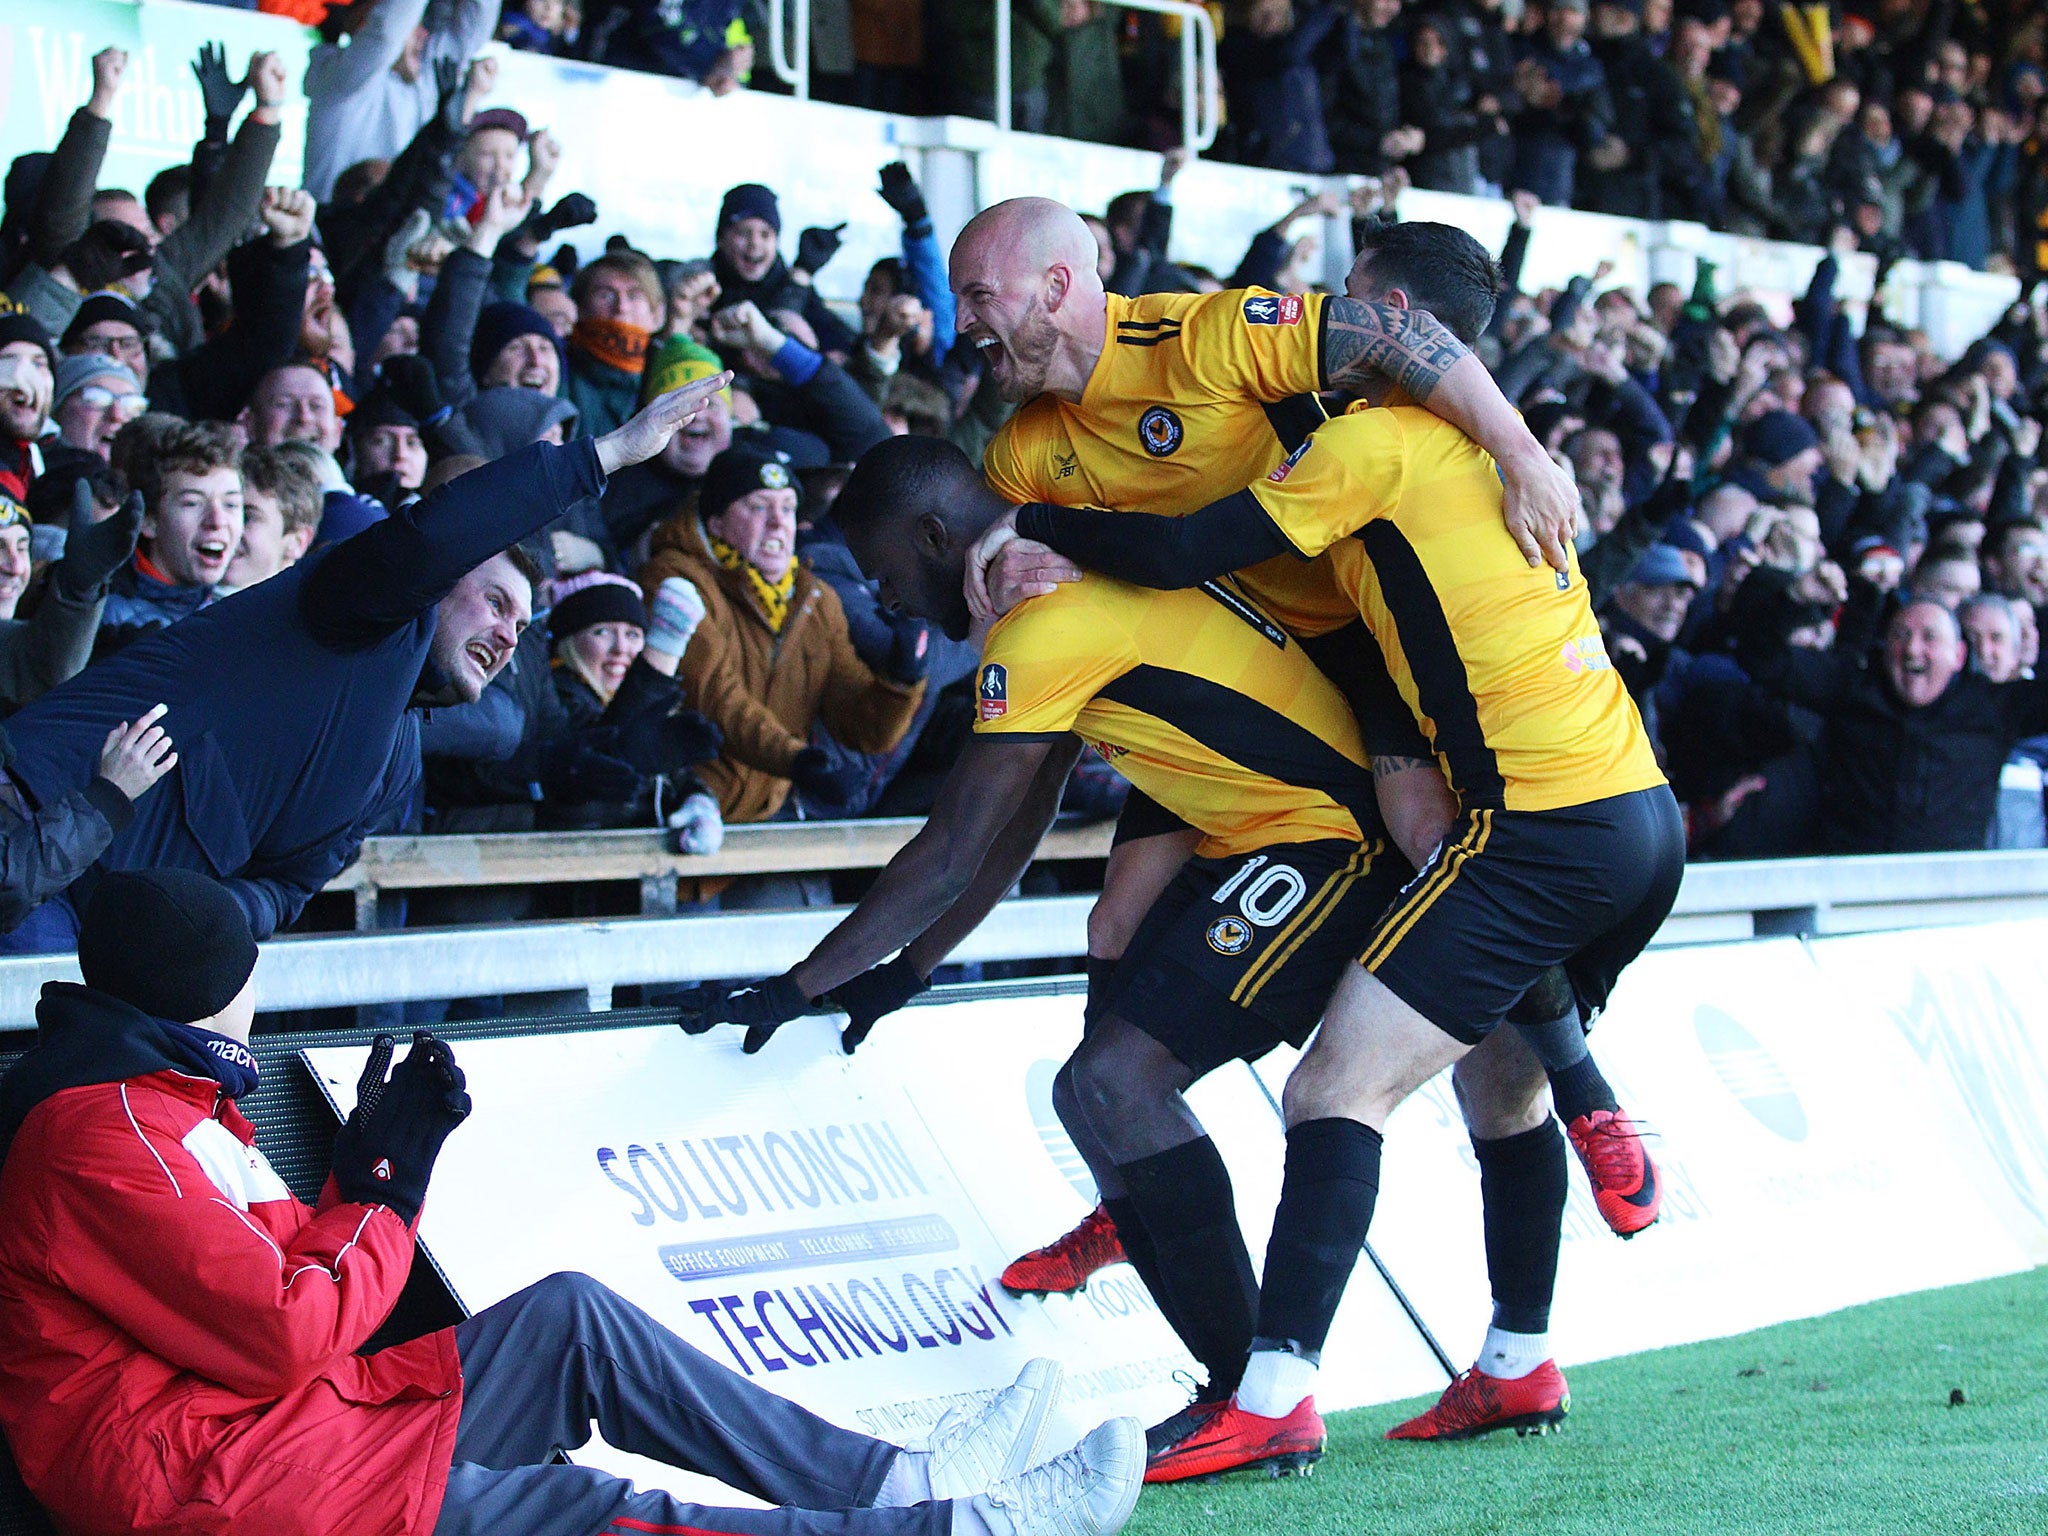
{"x": 1387, "y": 767}
{"x": 1366, "y": 343}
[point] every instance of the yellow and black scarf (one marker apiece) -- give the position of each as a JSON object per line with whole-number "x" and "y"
{"x": 772, "y": 596}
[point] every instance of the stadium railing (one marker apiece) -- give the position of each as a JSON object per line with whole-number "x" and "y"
{"x": 444, "y": 862}
{"x": 580, "y": 963}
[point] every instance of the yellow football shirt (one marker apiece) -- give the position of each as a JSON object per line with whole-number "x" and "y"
{"x": 1195, "y": 396}
{"x": 1503, "y": 665}
{"x": 1197, "y": 697}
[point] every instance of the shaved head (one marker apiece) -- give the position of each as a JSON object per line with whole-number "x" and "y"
{"x": 1030, "y": 296}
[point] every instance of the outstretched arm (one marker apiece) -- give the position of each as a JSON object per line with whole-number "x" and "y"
{"x": 993, "y": 783}
{"x": 1366, "y": 344}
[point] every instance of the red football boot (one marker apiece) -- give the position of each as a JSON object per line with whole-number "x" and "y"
{"x": 1476, "y": 1404}
{"x": 1064, "y": 1265}
{"x": 1227, "y": 1439}
{"x": 1624, "y": 1179}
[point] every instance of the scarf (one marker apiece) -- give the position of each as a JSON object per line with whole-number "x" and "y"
{"x": 232, "y": 1063}
{"x": 772, "y": 596}
{"x": 612, "y": 343}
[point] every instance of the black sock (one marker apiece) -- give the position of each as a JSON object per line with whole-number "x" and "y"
{"x": 1579, "y": 1089}
{"x": 1326, "y": 1200}
{"x": 1184, "y": 1198}
{"x": 1143, "y": 1253}
{"x": 1522, "y": 1182}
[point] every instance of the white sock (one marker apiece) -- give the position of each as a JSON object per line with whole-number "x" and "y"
{"x": 1275, "y": 1383}
{"x": 968, "y": 1519}
{"x": 907, "y": 1482}
{"x": 1511, "y": 1356}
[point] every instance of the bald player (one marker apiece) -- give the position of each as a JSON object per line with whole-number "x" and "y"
{"x": 1167, "y": 402}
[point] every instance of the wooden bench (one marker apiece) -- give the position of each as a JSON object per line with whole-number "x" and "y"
{"x": 417, "y": 863}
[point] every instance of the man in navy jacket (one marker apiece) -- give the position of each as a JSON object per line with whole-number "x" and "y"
{"x": 291, "y": 702}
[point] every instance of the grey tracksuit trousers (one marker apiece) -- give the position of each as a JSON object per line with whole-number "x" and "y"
{"x": 540, "y": 1366}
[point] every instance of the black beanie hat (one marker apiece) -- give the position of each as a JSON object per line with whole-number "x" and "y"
{"x": 596, "y": 599}
{"x": 98, "y": 307}
{"x": 750, "y": 200}
{"x": 17, "y": 324}
{"x": 498, "y": 326}
{"x": 740, "y": 471}
{"x": 168, "y": 941}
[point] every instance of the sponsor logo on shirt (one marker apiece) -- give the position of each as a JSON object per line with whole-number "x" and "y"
{"x": 1272, "y": 309}
{"x": 994, "y": 691}
{"x": 1160, "y": 431}
{"x": 1588, "y": 653}
{"x": 1286, "y": 466}
{"x": 1065, "y": 464}
{"x": 1108, "y": 751}
{"x": 1230, "y": 935}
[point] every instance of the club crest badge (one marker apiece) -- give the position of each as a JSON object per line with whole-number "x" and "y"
{"x": 1230, "y": 935}
{"x": 1160, "y": 431}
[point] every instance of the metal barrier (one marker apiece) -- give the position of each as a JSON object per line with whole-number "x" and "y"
{"x": 792, "y": 69}
{"x": 586, "y": 960}
{"x": 567, "y": 858}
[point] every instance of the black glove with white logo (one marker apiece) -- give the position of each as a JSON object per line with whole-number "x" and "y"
{"x": 384, "y": 1154}
{"x": 763, "y": 1006}
{"x": 872, "y": 996}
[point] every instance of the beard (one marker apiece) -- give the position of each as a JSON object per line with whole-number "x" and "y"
{"x": 1029, "y": 350}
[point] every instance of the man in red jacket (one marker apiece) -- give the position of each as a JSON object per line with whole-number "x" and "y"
{"x": 179, "y": 1335}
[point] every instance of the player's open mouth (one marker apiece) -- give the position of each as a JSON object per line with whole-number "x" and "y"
{"x": 991, "y": 350}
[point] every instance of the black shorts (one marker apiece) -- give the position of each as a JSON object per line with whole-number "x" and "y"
{"x": 1142, "y": 816}
{"x": 1239, "y": 954}
{"x": 1511, "y": 893}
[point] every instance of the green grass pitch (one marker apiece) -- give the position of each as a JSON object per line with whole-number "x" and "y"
{"x": 1840, "y": 1424}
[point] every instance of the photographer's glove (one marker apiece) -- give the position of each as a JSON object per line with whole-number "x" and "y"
{"x": 384, "y": 1154}
{"x": 872, "y": 996}
{"x": 763, "y": 1006}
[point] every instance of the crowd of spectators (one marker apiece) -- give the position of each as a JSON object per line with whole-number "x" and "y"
{"x": 1818, "y": 547}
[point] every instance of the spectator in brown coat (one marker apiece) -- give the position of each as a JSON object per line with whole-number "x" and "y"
{"x": 772, "y": 657}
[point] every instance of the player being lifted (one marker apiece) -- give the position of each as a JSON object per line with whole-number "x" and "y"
{"x": 1215, "y": 713}
{"x": 1568, "y": 849}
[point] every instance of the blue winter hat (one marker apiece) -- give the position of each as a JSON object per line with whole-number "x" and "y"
{"x": 1663, "y": 566}
{"x": 750, "y": 200}
{"x": 498, "y": 325}
{"x": 1778, "y": 437}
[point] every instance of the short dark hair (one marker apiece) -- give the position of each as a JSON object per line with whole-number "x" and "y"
{"x": 193, "y": 448}
{"x": 286, "y": 473}
{"x": 527, "y": 562}
{"x": 1441, "y": 269}
{"x": 169, "y": 193}
{"x": 905, "y": 475}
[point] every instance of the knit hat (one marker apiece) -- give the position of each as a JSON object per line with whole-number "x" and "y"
{"x": 505, "y": 419}
{"x": 500, "y": 117}
{"x": 74, "y": 373}
{"x": 380, "y": 408}
{"x": 12, "y": 513}
{"x": 1684, "y": 533}
{"x": 168, "y": 941}
{"x": 750, "y": 200}
{"x": 100, "y": 307}
{"x": 17, "y": 324}
{"x": 596, "y": 598}
{"x": 1662, "y": 565}
{"x": 499, "y": 325}
{"x": 678, "y": 361}
{"x": 1778, "y": 437}
{"x": 740, "y": 471}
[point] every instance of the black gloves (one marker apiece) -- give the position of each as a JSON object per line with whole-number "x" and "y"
{"x": 93, "y": 551}
{"x": 815, "y": 247}
{"x": 410, "y": 379}
{"x": 579, "y": 772}
{"x": 874, "y": 995}
{"x": 899, "y": 191}
{"x": 763, "y": 1006}
{"x": 910, "y": 652}
{"x": 572, "y": 212}
{"x": 661, "y": 740}
{"x": 220, "y": 93}
{"x": 827, "y": 777}
{"x": 385, "y": 1153}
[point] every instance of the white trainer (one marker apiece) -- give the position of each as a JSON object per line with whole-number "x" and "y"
{"x": 1090, "y": 1491}
{"x": 974, "y": 1448}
